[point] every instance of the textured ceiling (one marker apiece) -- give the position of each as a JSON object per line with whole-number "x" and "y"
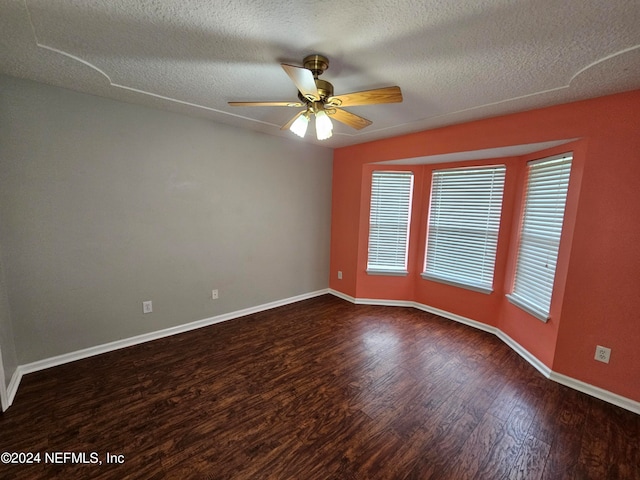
{"x": 454, "y": 60}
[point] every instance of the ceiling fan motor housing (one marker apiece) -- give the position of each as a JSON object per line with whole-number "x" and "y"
{"x": 316, "y": 63}
{"x": 325, "y": 90}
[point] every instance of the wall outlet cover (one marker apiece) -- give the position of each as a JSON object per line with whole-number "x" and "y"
{"x": 603, "y": 354}
{"x": 147, "y": 306}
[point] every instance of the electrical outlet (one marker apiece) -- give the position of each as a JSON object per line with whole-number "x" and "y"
{"x": 147, "y": 307}
{"x": 214, "y": 294}
{"x": 602, "y": 354}
{"x": 339, "y": 274}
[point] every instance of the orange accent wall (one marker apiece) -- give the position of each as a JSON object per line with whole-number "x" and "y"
{"x": 596, "y": 299}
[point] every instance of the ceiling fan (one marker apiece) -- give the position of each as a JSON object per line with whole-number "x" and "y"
{"x": 317, "y": 100}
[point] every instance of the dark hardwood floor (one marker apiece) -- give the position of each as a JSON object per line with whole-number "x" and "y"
{"x": 320, "y": 389}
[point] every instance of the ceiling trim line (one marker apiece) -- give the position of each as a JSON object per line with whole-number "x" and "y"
{"x": 603, "y": 59}
{"x": 124, "y": 87}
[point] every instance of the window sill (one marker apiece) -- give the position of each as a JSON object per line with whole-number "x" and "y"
{"x": 391, "y": 273}
{"x": 542, "y": 316}
{"x": 473, "y": 288}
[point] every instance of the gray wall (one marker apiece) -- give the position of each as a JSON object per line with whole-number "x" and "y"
{"x": 105, "y": 204}
{"x": 7, "y": 346}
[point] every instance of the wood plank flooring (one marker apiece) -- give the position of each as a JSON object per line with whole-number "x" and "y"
{"x": 320, "y": 389}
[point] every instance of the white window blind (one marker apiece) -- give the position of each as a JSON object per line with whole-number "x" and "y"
{"x": 389, "y": 221}
{"x": 547, "y": 185}
{"x": 464, "y": 220}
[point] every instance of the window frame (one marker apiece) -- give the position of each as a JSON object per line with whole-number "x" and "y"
{"x": 378, "y": 268}
{"x": 441, "y": 192}
{"x": 528, "y": 301}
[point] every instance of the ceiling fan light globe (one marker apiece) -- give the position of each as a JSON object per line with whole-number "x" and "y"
{"x": 324, "y": 127}
{"x": 299, "y": 126}
{"x": 324, "y": 135}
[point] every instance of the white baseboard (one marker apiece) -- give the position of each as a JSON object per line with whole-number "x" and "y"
{"x": 597, "y": 392}
{"x": 341, "y": 295}
{"x": 602, "y": 394}
{"x": 4, "y": 402}
{"x": 12, "y": 389}
{"x": 457, "y": 318}
{"x": 146, "y": 337}
{"x": 524, "y": 353}
{"x": 384, "y": 303}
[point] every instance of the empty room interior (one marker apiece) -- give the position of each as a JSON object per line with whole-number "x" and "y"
{"x": 320, "y": 240}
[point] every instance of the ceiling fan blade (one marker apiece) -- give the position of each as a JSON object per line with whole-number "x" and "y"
{"x": 303, "y": 80}
{"x": 349, "y": 118}
{"x": 266, "y": 104}
{"x": 290, "y": 122}
{"x": 367, "y": 97}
